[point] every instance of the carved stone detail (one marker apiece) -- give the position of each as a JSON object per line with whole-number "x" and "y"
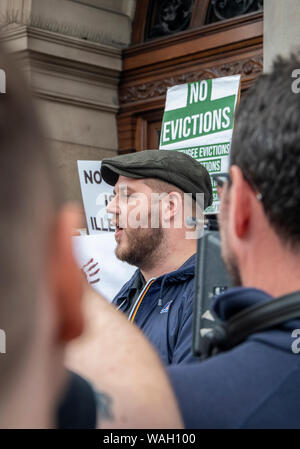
{"x": 246, "y": 68}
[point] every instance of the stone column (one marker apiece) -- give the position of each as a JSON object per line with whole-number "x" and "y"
{"x": 71, "y": 53}
{"x": 281, "y": 29}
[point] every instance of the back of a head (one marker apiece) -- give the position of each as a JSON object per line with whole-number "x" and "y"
{"x": 266, "y": 146}
{"x": 28, "y": 197}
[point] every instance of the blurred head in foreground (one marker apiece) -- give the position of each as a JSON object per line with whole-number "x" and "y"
{"x": 260, "y": 203}
{"x": 39, "y": 281}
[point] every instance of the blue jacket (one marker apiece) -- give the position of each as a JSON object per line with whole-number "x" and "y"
{"x": 254, "y": 385}
{"x": 165, "y": 313}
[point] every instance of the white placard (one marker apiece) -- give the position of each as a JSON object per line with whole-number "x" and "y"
{"x": 96, "y": 194}
{"x": 112, "y": 272}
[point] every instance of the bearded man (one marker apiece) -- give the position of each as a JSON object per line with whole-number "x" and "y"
{"x": 149, "y": 210}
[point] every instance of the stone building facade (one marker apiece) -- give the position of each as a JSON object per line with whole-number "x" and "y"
{"x": 71, "y": 53}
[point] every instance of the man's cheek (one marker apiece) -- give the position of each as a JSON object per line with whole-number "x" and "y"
{"x": 123, "y": 217}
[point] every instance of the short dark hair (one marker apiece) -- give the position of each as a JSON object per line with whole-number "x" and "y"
{"x": 266, "y": 146}
{"x": 29, "y": 197}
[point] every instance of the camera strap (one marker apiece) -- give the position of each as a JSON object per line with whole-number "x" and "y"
{"x": 226, "y": 335}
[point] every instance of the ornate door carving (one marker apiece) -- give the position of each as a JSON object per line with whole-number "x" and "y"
{"x": 179, "y": 41}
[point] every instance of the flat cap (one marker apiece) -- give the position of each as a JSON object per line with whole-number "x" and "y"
{"x": 174, "y": 167}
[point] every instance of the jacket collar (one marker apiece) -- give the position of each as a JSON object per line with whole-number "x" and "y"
{"x": 186, "y": 271}
{"x": 236, "y": 299}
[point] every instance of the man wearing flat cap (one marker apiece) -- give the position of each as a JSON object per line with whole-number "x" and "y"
{"x": 149, "y": 209}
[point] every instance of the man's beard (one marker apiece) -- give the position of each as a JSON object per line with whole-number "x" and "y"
{"x": 228, "y": 256}
{"x": 233, "y": 270}
{"x": 142, "y": 247}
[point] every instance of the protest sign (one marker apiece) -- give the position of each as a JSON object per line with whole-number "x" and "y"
{"x": 96, "y": 194}
{"x": 95, "y": 253}
{"x": 107, "y": 274}
{"x": 198, "y": 120}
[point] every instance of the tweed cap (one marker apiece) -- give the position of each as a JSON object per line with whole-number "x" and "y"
{"x": 174, "y": 167}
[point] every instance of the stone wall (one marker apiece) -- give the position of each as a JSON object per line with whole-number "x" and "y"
{"x": 281, "y": 29}
{"x": 71, "y": 53}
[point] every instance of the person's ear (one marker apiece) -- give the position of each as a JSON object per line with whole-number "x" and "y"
{"x": 172, "y": 206}
{"x": 66, "y": 277}
{"x": 240, "y": 202}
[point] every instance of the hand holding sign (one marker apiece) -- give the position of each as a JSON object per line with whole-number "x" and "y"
{"x": 91, "y": 270}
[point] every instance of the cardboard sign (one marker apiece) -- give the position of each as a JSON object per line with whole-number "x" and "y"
{"x": 198, "y": 120}
{"x": 96, "y": 194}
{"x": 95, "y": 255}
